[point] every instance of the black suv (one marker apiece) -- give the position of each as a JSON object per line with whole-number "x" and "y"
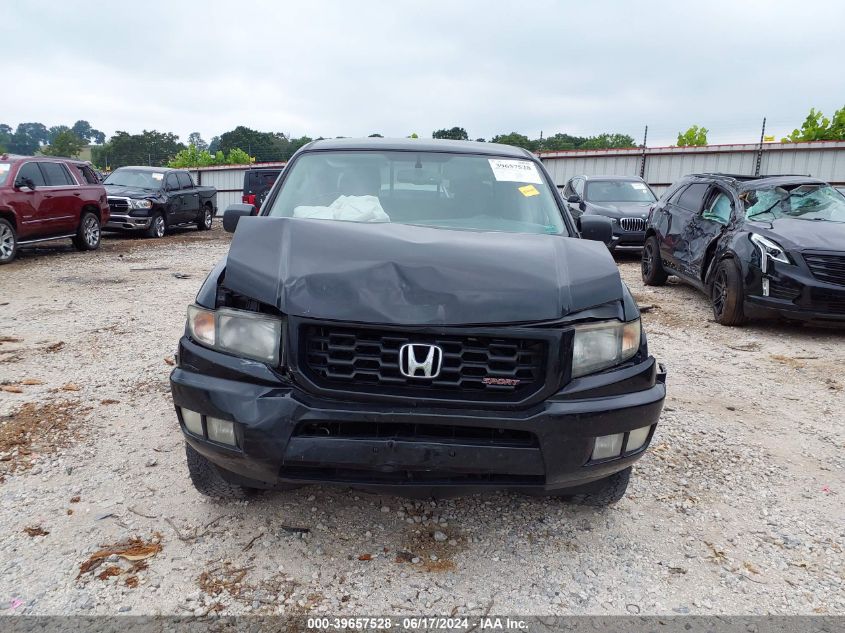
{"x": 769, "y": 246}
{"x": 257, "y": 184}
{"x": 623, "y": 199}
{"x": 416, "y": 315}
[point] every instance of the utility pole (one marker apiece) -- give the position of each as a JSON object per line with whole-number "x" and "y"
{"x": 642, "y": 158}
{"x": 760, "y": 149}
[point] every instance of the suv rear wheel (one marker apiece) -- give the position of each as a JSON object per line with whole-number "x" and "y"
{"x": 88, "y": 234}
{"x": 652, "y": 267}
{"x": 8, "y": 242}
{"x": 727, "y": 295}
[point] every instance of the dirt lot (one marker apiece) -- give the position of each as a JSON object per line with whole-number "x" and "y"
{"x": 738, "y": 507}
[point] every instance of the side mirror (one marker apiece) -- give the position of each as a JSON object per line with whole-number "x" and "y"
{"x": 24, "y": 182}
{"x": 574, "y": 198}
{"x": 596, "y": 227}
{"x": 233, "y": 214}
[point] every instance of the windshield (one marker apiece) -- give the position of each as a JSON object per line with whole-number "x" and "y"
{"x": 618, "y": 191}
{"x": 135, "y": 178}
{"x": 813, "y": 201}
{"x": 459, "y": 191}
{"x": 5, "y": 168}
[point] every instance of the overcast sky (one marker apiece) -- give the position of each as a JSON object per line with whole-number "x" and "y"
{"x": 353, "y": 68}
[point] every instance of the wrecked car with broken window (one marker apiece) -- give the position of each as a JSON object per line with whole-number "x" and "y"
{"x": 417, "y": 316}
{"x": 759, "y": 246}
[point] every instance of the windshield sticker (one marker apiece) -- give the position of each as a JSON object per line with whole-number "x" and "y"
{"x": 157, "y": 176}
{"x": 529, "y": 190}
{"x": 640, "y": 186}
{"x": 515, "y": 170}
{"x": 4, "y": 167}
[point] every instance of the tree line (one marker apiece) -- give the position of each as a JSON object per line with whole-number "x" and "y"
{"x": 243, "y": 145}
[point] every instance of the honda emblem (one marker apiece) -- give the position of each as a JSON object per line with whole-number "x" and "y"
{"x": 420, "y": 361}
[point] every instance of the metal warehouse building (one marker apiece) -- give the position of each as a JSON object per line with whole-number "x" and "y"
{"x": 661, "y": 166}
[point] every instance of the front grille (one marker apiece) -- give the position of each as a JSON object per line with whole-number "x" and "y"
{"x": 409, "y": 431}
{"x": 632, "y": 224}
{"x": 828, "y": 301}
{"x": 361, "y": 359}
{"x": 828, "y": 268}
{"x": 119, "y": 206}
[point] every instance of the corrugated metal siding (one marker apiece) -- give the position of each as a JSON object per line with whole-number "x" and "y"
{"x": 665, "y": 165}
{"x": 228, "y": 180}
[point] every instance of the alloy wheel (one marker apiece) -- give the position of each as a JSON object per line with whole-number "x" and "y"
{"x": 207, "y": 219}
{"x": 91, "y": 231}
{"x": 647, "y": 261}
{"x": 720, "y": 292}
{"x": 159, "y": 226}
{"x": 7, "y": 242}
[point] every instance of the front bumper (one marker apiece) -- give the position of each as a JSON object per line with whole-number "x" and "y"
{"x": 793, "y": 293}
{"x": 547, "y": 446}
{"x": 127, "y": 223}
{"x": 622, "y": 239}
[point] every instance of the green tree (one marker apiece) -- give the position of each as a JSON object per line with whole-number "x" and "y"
{"x": 455, "y": 133}
{"x": 376, "y": 135}
{"x": 517, "y": 140}
{"x": 413, "y": 135}
{"x": 150, "y": 147}
{"x": 214, "y": 145}
{"x": 613, "y": 141}
{"x": 192, "y": 156}
{"x": 65, "y": 143}
{"x": 28, "y": 138}
{"x": 480, "y": 140}
{"x": 693, "y": 137}
{"x": 817, "y": 127}
{"x": 5, "y": 137}
{"x": 560, "y": 141}
{"x": 54, "y": 131}
{"x": 195, "y": 139}
{"x": 84, "y": 131}
{"x": 264, "y": 146}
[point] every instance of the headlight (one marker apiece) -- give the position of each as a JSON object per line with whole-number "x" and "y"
{"x": 140, "y": 204}
{"x": 769, "y": 250}
{"x": 601, "y": 345}
{"x": 237, "y": 332}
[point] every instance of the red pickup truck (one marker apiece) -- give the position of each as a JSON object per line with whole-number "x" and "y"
{"x": 44, "y": 198}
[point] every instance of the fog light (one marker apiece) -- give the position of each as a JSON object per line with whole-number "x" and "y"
{"x": 221, "y": 431}
{"x": 637, "y": 438}
{"x": 608, "y": 446}
{"x": 193, "y": 421}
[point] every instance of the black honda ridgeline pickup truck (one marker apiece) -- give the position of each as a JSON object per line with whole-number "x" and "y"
{"x": 418, "y": 316}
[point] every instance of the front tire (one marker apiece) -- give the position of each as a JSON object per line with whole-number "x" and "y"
{"x": 651, "y": 265}
{"x": 206, "y": 218}
{"x": 604, "y": 492}
{"x": 158, "y": 226}
{"x": 8, "y": 242}
{"x": 727, "y": 295}
{"x": 88, "y": 234}
{"x": 208, "y": 481}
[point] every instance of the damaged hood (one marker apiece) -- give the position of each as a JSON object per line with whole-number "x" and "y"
{"x": 130, "y": 192}
{"x": 411, "y": 275}
{"x": 796, "y": 235}
{"x": 620, "y": 209}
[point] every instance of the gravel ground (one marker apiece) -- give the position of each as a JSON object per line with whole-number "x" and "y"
{"x": 736, "y": 509}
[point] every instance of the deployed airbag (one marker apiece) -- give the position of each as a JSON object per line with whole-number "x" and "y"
{"x": 350, "y": 208}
